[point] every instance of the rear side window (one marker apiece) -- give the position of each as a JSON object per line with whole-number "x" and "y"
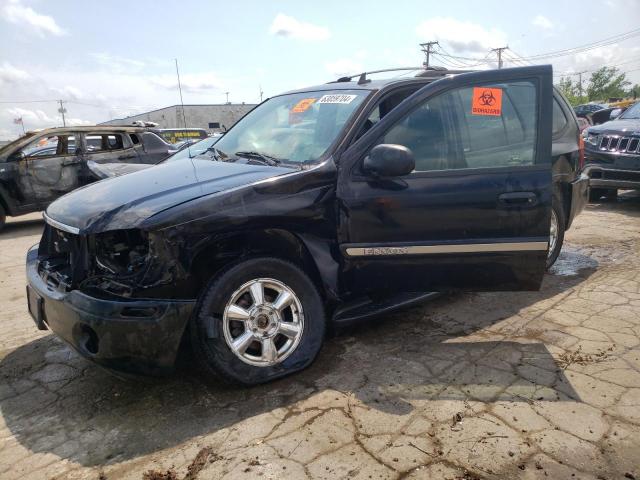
{"x": 134, "y": 138}
{"x": 472, "y": 127}
{"x": 97, "y": 143}
{"x": 559, "y": 118}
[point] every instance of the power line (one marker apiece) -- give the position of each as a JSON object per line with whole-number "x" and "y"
{"x": 427, "y": 48}
{"x": 586, "y": 47}
{"x": 499, "y": 52}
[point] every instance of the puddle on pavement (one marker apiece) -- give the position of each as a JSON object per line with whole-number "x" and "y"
{"x": 572, "y": 261}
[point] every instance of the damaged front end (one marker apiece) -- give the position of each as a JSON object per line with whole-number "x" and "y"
{"x": 112, "y": 296}
{"x": 120, "y": 263}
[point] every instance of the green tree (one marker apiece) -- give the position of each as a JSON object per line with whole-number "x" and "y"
{"x": 607, "y": 82}
{"x": 571, "y": 90}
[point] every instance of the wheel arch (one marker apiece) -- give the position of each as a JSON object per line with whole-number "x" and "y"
{"x": 311, "y": 254}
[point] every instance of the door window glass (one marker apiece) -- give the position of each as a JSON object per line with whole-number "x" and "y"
{"x": 51, "y": 146}
{"x": 559, "y": 118}
{"x": 472, "y": 127}
{"x": 97, "y": 143}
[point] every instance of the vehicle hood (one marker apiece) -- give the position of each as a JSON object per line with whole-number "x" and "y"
{"x": 110, "y": 170}
{"x": 125, "y": 201}
{"x": 617, "y": 126}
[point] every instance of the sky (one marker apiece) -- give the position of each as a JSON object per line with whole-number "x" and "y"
{"x": 112, "y": 59}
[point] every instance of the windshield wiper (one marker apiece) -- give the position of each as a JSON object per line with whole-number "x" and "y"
{"x": 218, "y": 154}
{"x": 266, "y": 159}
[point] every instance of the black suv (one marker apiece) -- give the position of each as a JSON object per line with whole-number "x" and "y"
{"x": 43, "y": 165}
{"x": 324, "y": 205}
{"x": 613, "y": 155}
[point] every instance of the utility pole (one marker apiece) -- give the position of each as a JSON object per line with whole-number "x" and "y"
{"x": 427, "y": 48}
{"x": 261, "y": 92}
{"x": 227, "y": 94}
{"x": 499, "y": 51}
{"x": 62, "y": 110}
{"x": 580, "y": 84}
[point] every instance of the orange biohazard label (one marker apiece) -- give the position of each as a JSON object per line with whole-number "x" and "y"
{"x": 303, "y": 105}
{"x": 486, "y": 101}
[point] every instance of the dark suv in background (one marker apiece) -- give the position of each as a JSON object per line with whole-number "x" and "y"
{"x": 613, "y": 155}
{"x": 324, "y": 205}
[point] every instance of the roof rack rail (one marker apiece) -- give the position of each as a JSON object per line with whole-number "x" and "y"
{"x": 363, "y": 76}
{"x": 424, "y": 72}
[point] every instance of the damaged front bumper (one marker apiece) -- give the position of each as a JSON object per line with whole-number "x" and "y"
{"x": 129, "y": 335}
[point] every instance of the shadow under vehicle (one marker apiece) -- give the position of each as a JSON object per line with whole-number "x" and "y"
{"x": 41, "y": 166}
{"x": 325, "y": 205}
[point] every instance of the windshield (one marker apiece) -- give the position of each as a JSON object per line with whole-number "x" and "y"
{"x": 10, "y": 145}
{"x": 298, "y": 127}
{"x": 632, "y": 112}
{"x": 194, "y": 149}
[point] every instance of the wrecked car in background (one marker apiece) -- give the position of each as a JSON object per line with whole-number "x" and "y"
{"x": 325, "y": 205}
{"x": 41, "y": 166}
{"x": 108, "y": 170}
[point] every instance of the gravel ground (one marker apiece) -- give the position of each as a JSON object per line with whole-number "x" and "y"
{"x": 492, "y": 385}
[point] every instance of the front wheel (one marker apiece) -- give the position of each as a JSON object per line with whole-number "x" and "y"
{"x": 556, "y": 232}
{"x": 258, "y": 320}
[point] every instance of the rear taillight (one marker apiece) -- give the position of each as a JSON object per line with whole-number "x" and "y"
{"x": 581, "y": 152}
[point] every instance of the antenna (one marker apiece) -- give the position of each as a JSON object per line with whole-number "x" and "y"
{"x": 184, "y": 118}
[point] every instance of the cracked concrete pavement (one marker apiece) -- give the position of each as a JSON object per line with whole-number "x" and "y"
{"x": 480, "y": 385}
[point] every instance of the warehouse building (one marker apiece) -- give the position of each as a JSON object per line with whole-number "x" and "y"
{"x": 214, "y": 118}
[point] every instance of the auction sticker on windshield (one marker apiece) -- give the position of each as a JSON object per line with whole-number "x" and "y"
{"x": 303, "y": 105}
{"x": 337, "y": 98}
{"x": 486, "y": 101}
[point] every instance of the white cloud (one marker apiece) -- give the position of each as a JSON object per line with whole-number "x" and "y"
{"x": 542, "y": 22}
{"x": 11, "y": 75}
{"x": 462, "y": 37}
{"x": 14, "y": 12}
{"x": 36, "y": 119}
{"x": 286, "y": 26}
{"x": 192, "y": 83}
{"x": 116, "y": 62}
{"x": 344, "y": 66}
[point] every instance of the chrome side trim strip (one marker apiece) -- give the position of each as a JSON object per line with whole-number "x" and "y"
{"x": 439, "y": 249}
{"x": 59, "y": 225}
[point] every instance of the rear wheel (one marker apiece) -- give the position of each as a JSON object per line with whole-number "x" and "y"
{"x": 556, "y": 231}
{"x": 258, "y": 320}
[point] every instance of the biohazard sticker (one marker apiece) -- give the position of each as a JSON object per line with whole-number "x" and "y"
{"x": 303, "y": 105}
{"x": 486, "y": 101}
{"x": 337, "y": 98}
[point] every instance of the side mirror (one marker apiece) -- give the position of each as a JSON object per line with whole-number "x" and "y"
{"x": 615, "y": 113}
{"x": 17, "y": 156}
{"x": 389, "y": 160}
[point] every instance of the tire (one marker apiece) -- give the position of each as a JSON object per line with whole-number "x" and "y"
{"x": 213, "y": 328}
{"x": 3, "y": 217}
{"x": 558, "y": 211}
{"x": 596, "y": 194}
{"x": 611, "y": 194}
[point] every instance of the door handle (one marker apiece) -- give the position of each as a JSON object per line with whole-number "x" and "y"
{"x": 518, "y": 199}
{"x": 126, "y": 157}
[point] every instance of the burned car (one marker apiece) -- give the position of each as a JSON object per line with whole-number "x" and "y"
{"x": 323, "y": 206}
{"x": 41, "y": 166}
{"x": 613, "y": 155}
{"x": 109, "y": 170}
